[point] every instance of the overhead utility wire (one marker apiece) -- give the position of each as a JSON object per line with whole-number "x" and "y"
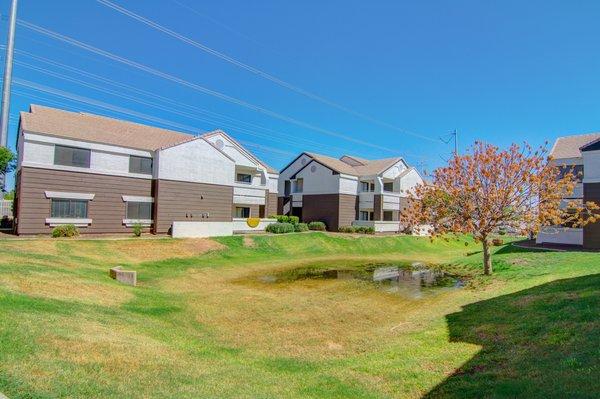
{"x": 125, "y": 111}
{"x": 291, "y": 140}
{"x": 255, "y": 70}
{"x": 193, "y": 86}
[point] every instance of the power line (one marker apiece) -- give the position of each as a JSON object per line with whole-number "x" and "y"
{"x": 194, "y": 86}
{"x": 254, "y": 70}
{"x": 291, "y": 140}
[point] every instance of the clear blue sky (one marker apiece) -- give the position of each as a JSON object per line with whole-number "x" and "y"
{"x": 497, "y": 71}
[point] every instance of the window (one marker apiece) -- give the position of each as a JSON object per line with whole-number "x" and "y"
{"x": 242, "y": 212}
{"x": 139, "y": 210}
{"x": 287, "y": 188}
{"x": 69, "y": 208}
{"x": 365, "y": 215}
{"x": 388, "y": 186}
{"x": 366, "y": 186}
{"x": 577, "y": 170}
{"x": 299, "y": 185}
{"x": 140, "y": 165}
{"x": 388, "y": 216}
{"x": 71, "y": 156}
{"x": 244, "y": 178}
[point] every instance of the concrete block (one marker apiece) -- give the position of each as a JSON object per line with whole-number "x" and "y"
{"x": 128, "y": 277}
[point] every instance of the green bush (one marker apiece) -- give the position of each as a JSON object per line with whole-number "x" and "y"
{"x": 357, "y": 229}
{"x": 137, "y": 229}
{"x": 65, "y": 230}
{"x": 280, "y": 228}
{"x": 318, "y": 226}
{"x": 287, "y": 219}
{"x": 300, "y": 227}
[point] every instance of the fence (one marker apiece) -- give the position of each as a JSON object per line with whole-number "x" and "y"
{"x": 6, "y": 208}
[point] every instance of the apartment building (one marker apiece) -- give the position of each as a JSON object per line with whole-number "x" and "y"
{"x": 581, "y": 154}
{"x": 348, "y": 191}
{"x": 104, "y": 175}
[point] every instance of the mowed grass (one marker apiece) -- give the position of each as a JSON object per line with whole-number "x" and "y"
{"x": 201, "y": 324}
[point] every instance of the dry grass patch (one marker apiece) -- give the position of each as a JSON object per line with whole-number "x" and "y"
{"x": 47, "y": 285}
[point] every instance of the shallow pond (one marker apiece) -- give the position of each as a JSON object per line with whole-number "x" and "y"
{"x": 412, "y": 280}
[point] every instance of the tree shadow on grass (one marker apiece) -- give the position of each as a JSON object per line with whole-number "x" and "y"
{"x": 543, "y": 342}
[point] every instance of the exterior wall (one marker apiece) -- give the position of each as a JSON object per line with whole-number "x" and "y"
{"x": 334, "y": 209}
{"x": 232, "y": 150}
{"x": 107, "y": 209}
{"x": 348, "y": 210}
{"x": 319, "y": 180}
{"x": 377, "y": 207}
{"x": 591, "y": 232}
{"x": 187, "y": 201}
{"x": 551, "y": 235}
{"x": 290, "y": 170}
{"x": 245, "y": 194}
{"x": 195, "y": 161}
{"x": 38, "y": 151}
{"x": 272, "y": 207}
{"x": 394, "y": 171}
{"x": 189, "y": 229}
{"x": 591, "y": 166}
{"x": 408, "y": 181}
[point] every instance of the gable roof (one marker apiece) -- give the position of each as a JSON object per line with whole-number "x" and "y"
{"x": 365, "y": 168}
{"x": 240, "y": 147}
{"x": 101, "y": 129}
{"x": 569, "y": 146}
{"x": 591, "y": 146}
{"x": 98, "y": 129}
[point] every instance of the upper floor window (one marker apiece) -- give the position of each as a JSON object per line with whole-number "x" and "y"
{"x": 388, "y": 186}
{"x": 243, "y": 178}
{"x": 576, "y": 170}
{"x": 388, "y": 216}
{"x": 299, "y": 185}
{"x": 69, "y": 208}
{"x": 142, "y": 165}
{"x": 366, "y": 186}
{"x": 71, "y": 156}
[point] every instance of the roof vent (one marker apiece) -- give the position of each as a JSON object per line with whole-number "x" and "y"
{"x": 220, "y": 144}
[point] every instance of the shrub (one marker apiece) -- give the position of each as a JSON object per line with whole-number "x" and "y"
{"x": 65, "y": 230}
{"x": 357, "y": 229}
{"x": 497, "y": 242}
{"x": 318, "y": 226}
{"x": 300, "y": 227}
{"x": 137, "y": 229}
{"x": 294, "y": 220}
{"x": 287, "y": 219}
{"x": 280, "y": 228}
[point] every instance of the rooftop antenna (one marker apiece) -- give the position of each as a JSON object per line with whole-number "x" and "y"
{"x": 5, "y": 106}
{"x": 452, "y": 136}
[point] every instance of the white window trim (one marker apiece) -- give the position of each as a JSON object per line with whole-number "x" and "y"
{"x": 135, "y": 198}
{"x": 132, "y": 222}
{"x": 79, "y": 222}
{"x": 65, "y": 195}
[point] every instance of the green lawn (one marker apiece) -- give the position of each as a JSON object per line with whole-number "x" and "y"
{"x": 201, "y": 324}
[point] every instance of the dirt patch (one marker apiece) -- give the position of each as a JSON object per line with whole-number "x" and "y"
{"x": 249, "y": 242}
{"x": 149, "y": 250}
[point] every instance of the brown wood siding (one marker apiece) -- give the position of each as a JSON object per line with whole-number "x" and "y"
{"x": 335, "y": 210}
{"x": 272, "y": 207}
{"x": 181, "y": 201}
{"x": 107, "y": 209}
{"x": 347, "y": 210}
{"x": 591, "y": 232}
{"x": 377, "y": 207}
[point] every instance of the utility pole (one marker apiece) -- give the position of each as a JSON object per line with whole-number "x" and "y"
{"x": 5, "y": 106}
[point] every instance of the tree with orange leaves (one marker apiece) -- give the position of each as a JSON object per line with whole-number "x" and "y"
{"x": 489, "y": 189}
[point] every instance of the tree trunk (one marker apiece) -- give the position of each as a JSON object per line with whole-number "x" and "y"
{"x": 487, "y": 257}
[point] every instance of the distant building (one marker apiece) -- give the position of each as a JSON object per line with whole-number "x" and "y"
{"x": 582, "y": 155}
{"x": 347, "y": 191}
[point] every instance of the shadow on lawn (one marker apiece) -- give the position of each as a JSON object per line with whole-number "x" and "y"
{"x": 543, "y": 342}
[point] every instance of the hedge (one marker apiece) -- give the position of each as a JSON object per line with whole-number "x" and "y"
{"x": 280, "y": 228}
{"x": 319, "y": 226}
{"x": 357, "y": 229}
{"x": 287, "y": 219}
{"x": 300, "y": 227}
